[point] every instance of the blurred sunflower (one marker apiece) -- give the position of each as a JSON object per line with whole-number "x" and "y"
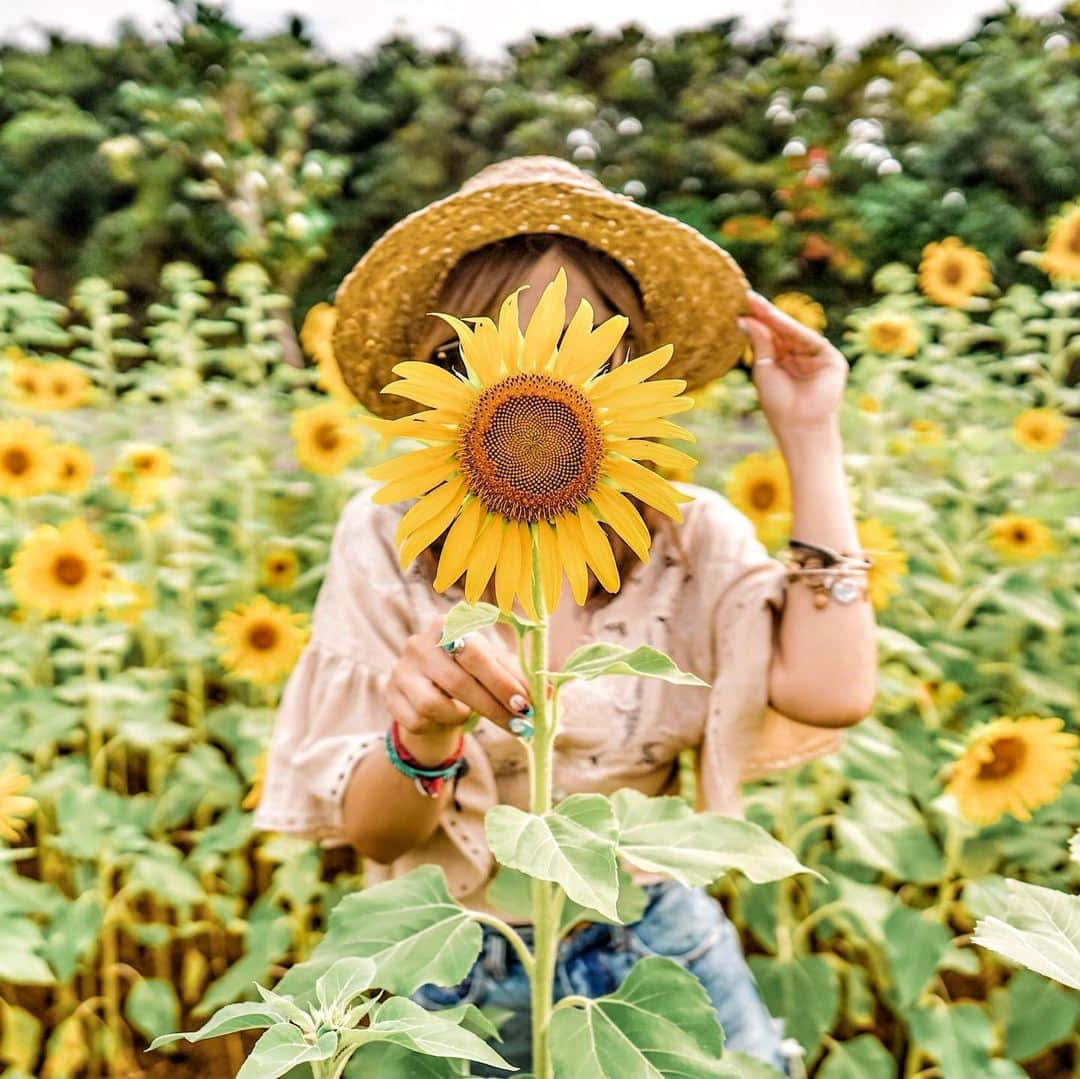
{"x": 61, "y": 385}
{"x": 1061, "y": 260}
{"x": 14, "y": 804}
{"x": 867, "y": 402}
{"x": 141, "y": 472}
{"x": 279, "y": 566}
{"x": 802, "y": 308}
{"x": 125, "y": 601}
{"x": 891, "y": 334}
{"x": 889, "y": 560}
{"x": 24, "y": 386}
{"x": 759, "y": 487}
{"x": 60, "y": 569}
{"x": 1039, "y": 429}
{"x": 317, "y": 339}
{"x": 950, "y": 272}
{"x": 537, "y": 443}
{"x": 1021, "y": 539}
{"x": 927, "y": 432}
{"x": 254, "y": 796}
{"x": 72, "y": 468}
{"x": 1012, "y": 766}
{"x": 261, "y": 641}
{"x": 326, "y": 438}
{"x": 25, "y": 467}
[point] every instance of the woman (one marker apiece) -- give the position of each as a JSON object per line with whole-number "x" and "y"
{"x": 710, "y": 596}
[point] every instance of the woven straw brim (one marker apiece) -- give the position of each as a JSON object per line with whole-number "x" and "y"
{"x": 692, "y": 290}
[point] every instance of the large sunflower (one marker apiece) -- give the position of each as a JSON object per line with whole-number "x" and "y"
{"x": 950, "y": 272}
{"x": 1039, "y": 429}
{"x": 60, "y": 569}
{"x": 1021, "y": 539}
{"x": 261, "y": 641}
{"x": 1061, "y": 260}
{"x": 536, "y": 444}
{"x": 25, "y": 464}
{"x": 1013, "y": 766}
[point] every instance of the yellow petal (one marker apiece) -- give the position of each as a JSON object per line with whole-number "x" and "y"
{"x": 432, "y": 386}
{"x": 647, "y": 393}
{"x": 572, "y": 556}
{"x": 617, "y": 428}
{"x": 598, "y": 551}
{"x": 649, "y": 487}
{"x": 643, "y": 450}
{"x": 418, "y": 427}
{"x": 459, "y": 544}
{"x": 483, "y": 557}
{"x": 413, "y": 486}
{"x": 409, "y": 464}
{"x": 510, "y": 339}
{"x": 450, "y": 494}
{"x": 581, "y": 366}
{"x": 550, "y": 566}
{"x": 485, "y": 358}
{"x": 630, "y": 374}
{"x": 508, "y": 567}
{"x": 622, "y": 515}
{"x": 651, "y": 411}
{"x": 426, "y": 533}
{"x": 546, "y": 325}
{"x": 577, "y": 335}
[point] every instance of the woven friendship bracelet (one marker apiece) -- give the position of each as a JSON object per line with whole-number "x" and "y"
{"x": 428, "y": 781}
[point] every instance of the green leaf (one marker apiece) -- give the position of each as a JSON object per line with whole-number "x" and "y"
{"x": 281, "y": 1049}
{"x": 1040, "y": 930}
{"x": 510, "y": 892}
{"x": 246, "y": 1015}
{"x": 665, "y": 835}
{"x": 630, "y": 905}
{"x": 804, "y": 990}
{"x": 344, "y": 981}
{"x": 573, "y": 845}
{"x": 384, "y": 1060}
{"x": 268, "y": 942}
{"x": 411, "y": 927}
{"x": 287, "y": 1011}
{"x": 1040, "y": 1014}
{"x": 914, "y": 945}
{"x": 403, "y": 1022}
{"x": 659, "y": 1024}
{"x": 21, "y": 966}
{"x": 72, "y": 934}
{"x": 863, "y": 1057}
{"x": 467, "y": 618}
{"x": 744, "y": 1066}
{"x": 593, "y": 660}
{"x": 472, "y": 1018}
{"x": 958, "y": 1037}
{"x": 152, "y": 1008}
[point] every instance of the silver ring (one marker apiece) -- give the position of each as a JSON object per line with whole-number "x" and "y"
{"x": 763, "y": 360}
{"x": 452, "y": 648}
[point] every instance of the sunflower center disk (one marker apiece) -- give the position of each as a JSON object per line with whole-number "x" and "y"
{"x": 1008, "y": 754}
{"x": 531, "y": 448}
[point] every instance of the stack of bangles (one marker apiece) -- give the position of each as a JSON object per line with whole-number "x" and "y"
{"x": 829, "y": 573}
{"x": 429, "y": 779}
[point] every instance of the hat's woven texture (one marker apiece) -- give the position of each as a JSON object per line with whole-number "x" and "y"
{"x": 692, "y": 290}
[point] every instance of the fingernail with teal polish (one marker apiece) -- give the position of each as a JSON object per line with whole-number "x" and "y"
{"x": 521, "y": 727}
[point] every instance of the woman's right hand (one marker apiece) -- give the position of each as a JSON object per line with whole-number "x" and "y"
{"x": 431, "y": 694}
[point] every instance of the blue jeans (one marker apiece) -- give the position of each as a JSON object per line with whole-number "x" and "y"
{"x": 684, "y": 924}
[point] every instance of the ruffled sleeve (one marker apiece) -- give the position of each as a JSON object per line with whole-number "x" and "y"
{"x": 745, "y": 738}
{"x": 333, "y": 709}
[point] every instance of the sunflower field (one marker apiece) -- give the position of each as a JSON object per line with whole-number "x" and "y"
{"x": 176, "y": 444}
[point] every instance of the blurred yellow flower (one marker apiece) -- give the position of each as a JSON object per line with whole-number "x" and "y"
{"x": 279, "y": 566}
{"x": 1061, "y": 260}
{"x": 317, "y": 339}
{"x": 141, "y": 473}
{"x": 14, "y": 804}
{"x": 927, "y": 432}
{"x": 1039, "y": 429}
{"x": 24, "y": 385}
{"x": 802, "y": 308}
{"x": 72, "y": 468}
{"x": 950, "y": 272}
{"x": 61, "y": 385}
{"x": 1020, "y": 539}
{"x": 60, "y": 569}
{"x": 25, "y": 466}
{"x": 254, "y": 796}
{"x": 892, "y": 334}
{"x": 868, "y": 403}
{"x": 326, "y": 439}
{"x": 889, "y": 560}
{"x": 759, "y": 487}
{"x": 125, "y": 601}
{"x": 261, "y": 641}
{"x": 1012, "y": 766}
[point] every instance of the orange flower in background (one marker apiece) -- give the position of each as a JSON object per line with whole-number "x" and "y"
{"x": 890, "y": 333}
{"x": 61, "y": 570}
{"x": 803, "y": 309}
{"x": 25, "y": 461}
{"x": 1039, "y": 429}
{"x": 1012, "y": 766}
{"x": 279, "y": 566}
{"x": 1021, "y": 539}
{"x": 326, "y": 438}
{"x": 950, "y": 272}
{"x": 760, "y": 488}
{"x": 261, "y": 641}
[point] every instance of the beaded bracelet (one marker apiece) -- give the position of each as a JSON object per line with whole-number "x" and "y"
{"x": 428, "y": 780}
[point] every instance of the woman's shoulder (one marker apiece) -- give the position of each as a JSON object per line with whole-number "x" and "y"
{"x": 365, "y": 529}
{"x": 712, "y": 527}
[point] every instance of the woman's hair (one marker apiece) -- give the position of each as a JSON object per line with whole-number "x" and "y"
{"x": 482, "y": 279}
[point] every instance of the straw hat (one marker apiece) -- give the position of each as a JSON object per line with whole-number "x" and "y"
{"x": 692, "y": 290}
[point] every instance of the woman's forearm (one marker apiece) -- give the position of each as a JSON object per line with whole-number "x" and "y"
{"x": 384, "y": 815}
{"x": 825, "y": 671}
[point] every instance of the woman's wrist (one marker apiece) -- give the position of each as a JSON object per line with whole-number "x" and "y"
{"x": 431, "y": 748}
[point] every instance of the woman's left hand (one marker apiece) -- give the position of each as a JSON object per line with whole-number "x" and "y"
{"x": 803, "y": 386}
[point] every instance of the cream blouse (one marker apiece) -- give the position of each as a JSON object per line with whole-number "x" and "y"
{"x": 710, "y": 597}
